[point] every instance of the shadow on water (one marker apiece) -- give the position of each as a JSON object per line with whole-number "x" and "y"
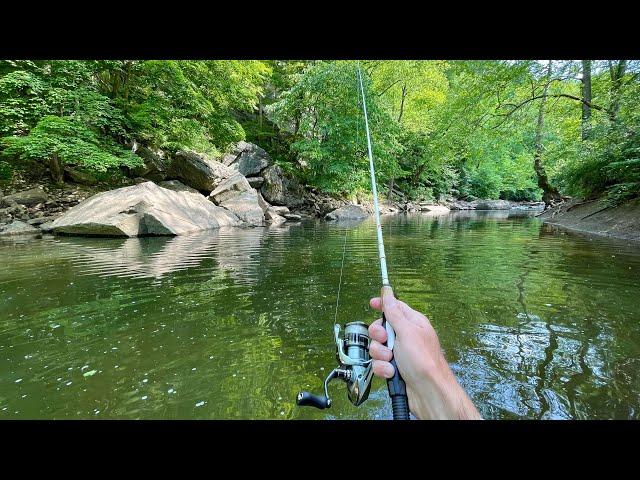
{"x": 231, "y": 323}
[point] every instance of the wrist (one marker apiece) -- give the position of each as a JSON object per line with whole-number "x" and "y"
{"x": 440, "y": 396}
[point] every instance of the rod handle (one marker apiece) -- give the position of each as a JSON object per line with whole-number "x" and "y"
{"x": 396, "y": 386}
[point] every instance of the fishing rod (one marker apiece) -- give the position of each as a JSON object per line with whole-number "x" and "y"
{"x": 352, "y": 349}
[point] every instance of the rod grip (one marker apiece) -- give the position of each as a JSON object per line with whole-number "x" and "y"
{"x": 396, "y": 386}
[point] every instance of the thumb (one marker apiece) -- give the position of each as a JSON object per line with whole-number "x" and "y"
{"x": 393, "y": 311}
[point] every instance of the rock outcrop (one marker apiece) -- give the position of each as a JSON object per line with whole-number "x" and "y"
{"x": 177, "y": 186}
{"x": 348, "y": 212}
{"x": 29, "y": 197}
{"x": 144, "y": 209}
{"x": 247, "y": 159}
{"x": 278, "y": 189}
{"x": 236, "y": 195}
{"x": 155, "y": 166}
{"x": 245, "y": 205}
{"x": 198, "y": 171}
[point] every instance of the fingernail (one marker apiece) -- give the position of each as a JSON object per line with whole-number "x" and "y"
{"x": 389, "y": 370}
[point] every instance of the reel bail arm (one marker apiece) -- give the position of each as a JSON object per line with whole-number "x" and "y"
{"x": 355, "y": 367}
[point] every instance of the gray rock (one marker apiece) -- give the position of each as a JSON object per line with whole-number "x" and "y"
{"x": 40, "y": 220}
{"x": 29, "y": 197}
{"x": 198, "y": 171}
{"x": 144, "y": 209}
{"x": 434, "y": 208}
{"x": 18, "y": 228}
{"x": 292, "y": 216}
{"x": 78, "y": 176}
{"x": 273, "y": 218}
{"x": 229, "y": 188}
{"x": 247, "y": 159}
{"x": 281, "y": 210}
{"x": 177, "y": 186}
{"x": 245, "y": 205}
{"x": 46, "y": 227}
{"x": 348, "y": 212}
{"x": 255, "y": 182}
{"x": 280, "y": 190}
{"x": 493, "y": 205}
{"x": 156, "y": 164}
{"x": 263, "y": 203}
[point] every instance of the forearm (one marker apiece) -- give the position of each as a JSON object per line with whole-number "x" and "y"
{"x": 439, "y": 396}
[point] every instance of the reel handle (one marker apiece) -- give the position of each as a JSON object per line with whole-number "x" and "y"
{"x": 307, "y": 399}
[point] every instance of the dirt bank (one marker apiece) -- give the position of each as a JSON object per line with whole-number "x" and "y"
{"x": 596, "y": 217}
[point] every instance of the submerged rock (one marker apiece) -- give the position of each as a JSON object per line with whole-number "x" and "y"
{"x": 17, "y": 228}
{"x": 348, "y": 212}
{"x": 198, "y": 171}
{"x": 144, "y": 209}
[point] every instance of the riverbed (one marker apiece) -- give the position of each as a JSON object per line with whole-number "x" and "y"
{"x": 536, "y": 322}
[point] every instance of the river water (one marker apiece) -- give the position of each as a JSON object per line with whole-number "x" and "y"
{"x": 535, "y": 322}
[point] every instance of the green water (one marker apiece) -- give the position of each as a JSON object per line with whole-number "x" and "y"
{"x": 536, "y": 323}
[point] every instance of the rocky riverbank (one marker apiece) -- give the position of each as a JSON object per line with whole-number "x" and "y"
{"x": 597, "y": 217}
{"x": 190, "y": 192}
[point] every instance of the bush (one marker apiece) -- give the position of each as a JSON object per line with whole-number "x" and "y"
{"x": 6, "y": 171}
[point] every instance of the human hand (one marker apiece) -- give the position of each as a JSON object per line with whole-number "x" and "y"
{"x": 432, "y": 388}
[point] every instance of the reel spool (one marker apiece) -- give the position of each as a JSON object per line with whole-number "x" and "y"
{"x": 355, "y": 367}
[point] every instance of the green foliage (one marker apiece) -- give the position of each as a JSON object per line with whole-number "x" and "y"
{"x": 84, "y": 112}
{"x": 6, "y": 171}
{"x": 72, "y": 142}
{"x": 323, "y": 114}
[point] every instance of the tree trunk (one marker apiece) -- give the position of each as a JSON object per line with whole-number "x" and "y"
{"x": 404, "y": 95}
{"x": 586, "y": 98}
{"x": 617, "y": 72}
{"x": 55, "y": 167}
{"x": 549, "y": 193}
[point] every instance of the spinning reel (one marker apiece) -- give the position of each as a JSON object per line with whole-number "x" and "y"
{"x": 352, "y": 352}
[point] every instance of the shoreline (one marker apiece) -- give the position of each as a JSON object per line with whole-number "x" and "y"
{"x": 596, "y": 218}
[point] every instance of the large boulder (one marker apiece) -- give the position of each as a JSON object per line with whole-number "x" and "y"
{"x": 29, "y": 197}
{"x": 245, "y": 205}
{"x": 18, "y": 228}
{"x": 177, "y": 186}
{"x": 229, "y": 188}
{"x": 247, "y": 159}
{"x": 348, "y": 212}
{"x": 198, "y": 171}
{"x": 280, "y": 190}
{"x": 155, "y": 166}
{"x": 144, "y": 209}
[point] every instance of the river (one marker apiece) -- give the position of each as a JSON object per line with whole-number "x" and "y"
{"x": 535, "y": 322}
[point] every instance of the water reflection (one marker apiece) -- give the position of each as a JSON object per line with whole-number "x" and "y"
{"x": 536, "y": 323}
